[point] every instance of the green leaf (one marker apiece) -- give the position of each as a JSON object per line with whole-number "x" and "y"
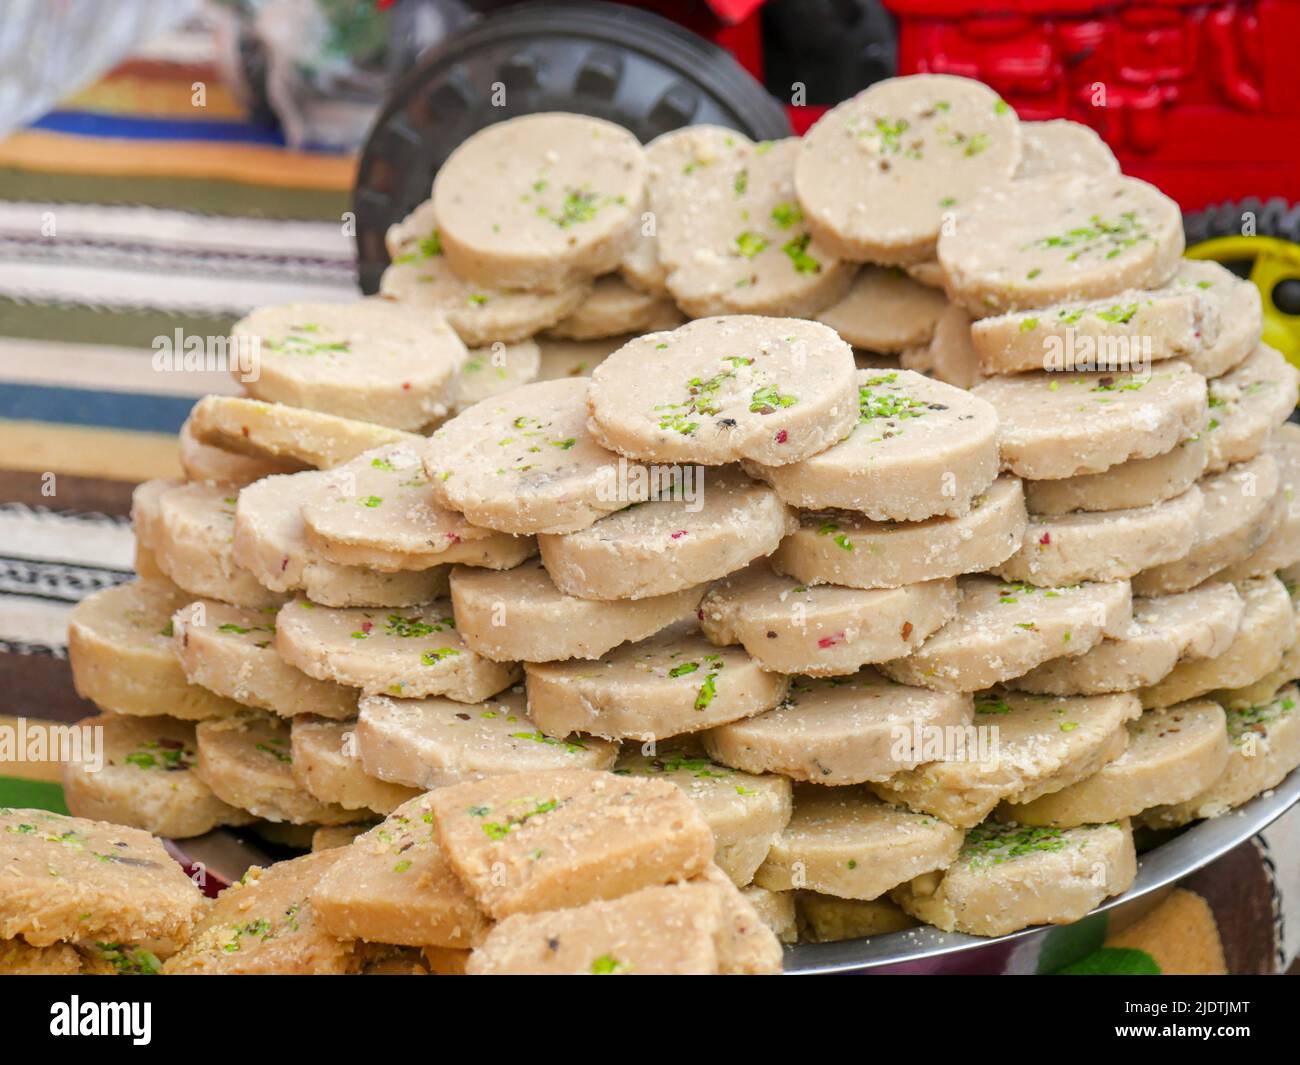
{"x": 1113, "y": 961}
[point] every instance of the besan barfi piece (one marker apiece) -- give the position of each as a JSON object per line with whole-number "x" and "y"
{"x": 1059, "y": 238}
{"x": 1053, "y": 425}
{"x": 1137, "y": 483}
{"x": 822, "y": 630}
{"x": 920, "y": 449}
{"x": 1166, "y": 629}
{"x": 67, "y": 878}
{"x": 529, "y": 842}
{"x": 877, "y": 174}
{"x": 674, "y": 682}
{"x": 1107, "y": 545}
{"x": 826, "y": 919}
{"x": 841, "y": 547}
{"x": 409, "y": 653}
{"x": 1267, "y": 629}
{"x": 842, "y": 730}
{"x": 18, "y": 958}
{"x": 327, "y": 763}
{"x": 393, "y": 884}
{"x": 774, "y": 390}
{"x": 744, "y": 811}
{"x": 1003, "y": 630}
{"x": 378, "y": 511}
{"x": 776, "y": 909}
{"x": 539, "y": 200}
{"x": 1059, "y": 146}
{"x": 574, "y": 358}
{"x": 231, "y": 651}
{"x": 1247, "y": 404}
{"x": 1282, "y": 548}
{"x": 1237, "y": 308}
{"x": 435, "y": 742}
{"x": 1009, "y": 877}
{"x": 145, "y": 779}
{"x": 327, "y": 837}
{"x": 120, "y": 650}
{"x": 949, "y": 356}
{"x": 846, "y": 842}
{"x": 493, "y": 371}
{"x": 735, "y": 241}
{"x": 612, "y": 308}
{"x": 213, "y": 465}
{"x": 1172, "y": 756}
{"x": 668, "y": 544}
{"x": 275, "y": 431}
{"x": 519, "y": 615}
{"x": 885, "y": 311}
{"x": 1041, "y": 744}
{"x": 374, "y": 360}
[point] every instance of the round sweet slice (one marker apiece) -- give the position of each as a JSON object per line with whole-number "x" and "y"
{"x": 773, "y": 390}
{"x": 493, "y": 371}
{"x": 214, "y": 465}
{"x": 673, "y": 683}
{"x": 824, "y": 630}
{"x": 374, "y": 360}
{"x": 847, "y": 843}
{"x": 247, "y": 761}
{"x": 885, "y": 310}
{"x": 1003, "y": 630}
{"x": 1198, "y": 624}
{"x": 840, "y": 547}
{"x": 120, "y": 650}
{"x": 1243, "y": 505}
{"x": 538, "y": 200}
{"x": 1282, "y": 548}
{"x": 145, "y": 498}
{"x": 1058, "y": 238}
{"x": 776, "y": 909}
{"x": 669, "y": 544}
{"x": 327, "y": 764}
{"x": 230, "y": 650}
{"x": 1055, "y": 425}
{"x": 1237, "y": 308}
{"x": 614, "y": 307}
{"x": 1060, "y": 146}
{"x": 844, "y": 730}
{"x": 826, "y": 919}
{"x": 1009, "y": 877}
{"x": 435, "y": 742}
{"x": 1172, "y": 756}
{"x": 378, "y": 512}
{"x": 1109, "y": 545}
{"x": 574, "y": 358}
{"x": 1267, "y": 629}
{"x": 141, "y": 776}
{"x": 1136, "y": 483}
{"x": 920, "y": 448}
{"x": 519, "y": 615}
{"x": 1247, "y": 404}
{"x": 877, "y": 174}
{"x": 410, "y": 653}
{"x": 950, "y": 356}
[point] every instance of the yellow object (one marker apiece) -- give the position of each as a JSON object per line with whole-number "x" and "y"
{"x": 1272, "y": 260}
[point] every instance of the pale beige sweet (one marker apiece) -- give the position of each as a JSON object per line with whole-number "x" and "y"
{"x": 374, "y": 359}
{"x": 826, "y": 919}
{"x": 1047, "y": 240}
{"x": 393, "y": 884}
{"x": 1247, "y": 404}
{"x": 747, "y": 945}
{"x": 247, "y": 761}
{"x": 1108, "y": 545}
{"x": 146, "y": 566}
{"x": 776, "y": 909}
{"x": 378, "y": 512}
{"x": 846, "y": 842}
{"x": 231, "y": 651}
{"x": 920, "y": 448}
{"x": 1032, "y": 745}
{"x": 120, "y": 650}
{"x": 774, "y": 390}
{"x": 327, "y": 837}
{"x": 519, "y": 615}
{"x": 1242, "y": 507}
{"x": 18, "y": 958}
{"x": 1282, "y": 548}
{"x": 886, "y": 311}
{"x": 1267, "y": 629}
{"x": 1136, "y": 483}
{"x": 950, "y": 355}
{"x": 1008, "y": 877}
{"x": 744, "y": 811}
{"x": 214, "y": 465}
{"x": 1198, "y": 624}
{"x": 538, "y": 841}
{"x": 275, "y": 431}
{"x": 67, "y": 878}
{"x": 144, "y": 511}
{"x": 840, "y": 547}
{"x": 1172, "y": 755}
{"x": 266, "y": 924}
{"x": 408, "y": 653}
{"x": 928, "y": 272}
{"x": 878, "y": 174}
{"x": 539, "y": 200}
{"x": 1054, "y": 425}
{"x": 435, "y": 742}
{"x": 492, "y": 371}
{"x": 845, "y": 730}
{"x": 1238, "y": 308}
{"x": 612, "y": 308}
{"x": 574, "y": 358}
{"x": 1059, "y": 146}
{"x": 328, "y": 764}
{"x": 672, "y": 683}
{"x": 823, "y": 630}
{"x": 718, "y": 522}
{"x": 1003, "y": 630}
{"x": 140, "y": 775}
